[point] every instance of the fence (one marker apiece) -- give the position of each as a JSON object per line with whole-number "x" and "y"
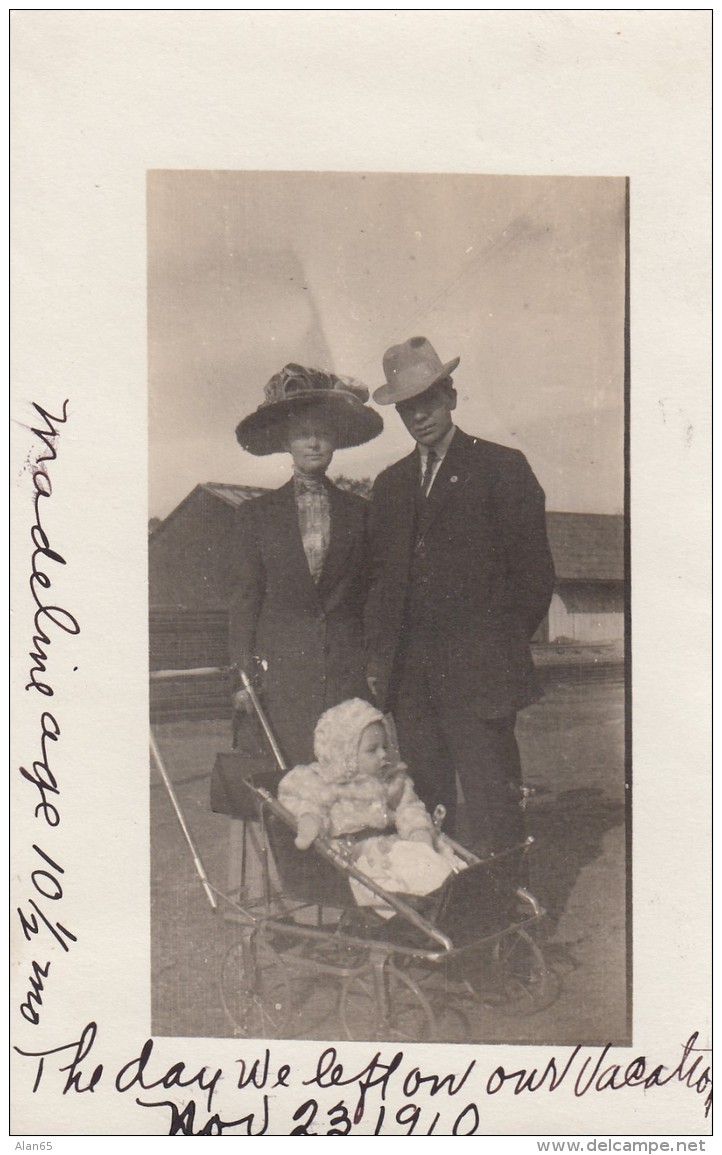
{"x": 181, "y": 640}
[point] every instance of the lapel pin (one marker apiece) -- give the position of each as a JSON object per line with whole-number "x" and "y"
{"x": 453, "y": 479}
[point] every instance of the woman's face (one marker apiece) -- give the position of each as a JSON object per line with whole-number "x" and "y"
{"x": 310, "y": 443}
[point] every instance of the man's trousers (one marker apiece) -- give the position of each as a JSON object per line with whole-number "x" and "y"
{"x": 441, "y": 735}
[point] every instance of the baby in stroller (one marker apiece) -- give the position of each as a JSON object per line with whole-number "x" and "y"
{"x": 354, "y": 795}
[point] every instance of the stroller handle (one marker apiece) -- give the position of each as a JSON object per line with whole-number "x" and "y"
{"x": 197, "y": 672}
{"x": 261, "y": 714}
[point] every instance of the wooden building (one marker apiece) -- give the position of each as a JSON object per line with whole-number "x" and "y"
{"x": 189, "y": 586}
{"x": 588, "y": 601}
{"x": 190, "y": 583}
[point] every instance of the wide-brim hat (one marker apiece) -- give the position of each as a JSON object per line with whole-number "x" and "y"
{"x": 297, "y": 390}
{"x": 410, "y": 369}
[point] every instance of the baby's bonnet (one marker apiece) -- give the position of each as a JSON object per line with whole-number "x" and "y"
{"x": 337, "y": 736}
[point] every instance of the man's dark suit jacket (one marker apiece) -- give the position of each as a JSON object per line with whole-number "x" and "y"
{"x": 310, "y": 635}
{"x": 488, "y": 569}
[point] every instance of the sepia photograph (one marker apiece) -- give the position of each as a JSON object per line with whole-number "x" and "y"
{"x": 360, "y": 598}
{"x": 387, "y": 544}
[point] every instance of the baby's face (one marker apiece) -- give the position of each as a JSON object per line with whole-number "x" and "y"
{"x": 373, "y": 757}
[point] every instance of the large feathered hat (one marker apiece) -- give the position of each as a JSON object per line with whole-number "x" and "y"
{"x": 297, "y": 390}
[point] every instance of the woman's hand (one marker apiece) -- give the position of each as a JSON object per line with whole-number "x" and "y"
{"x": 242, "y": 701}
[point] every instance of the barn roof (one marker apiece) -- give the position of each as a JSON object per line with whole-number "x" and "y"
{"x": 587, "y": 546}
{"x": 233, "y": 495}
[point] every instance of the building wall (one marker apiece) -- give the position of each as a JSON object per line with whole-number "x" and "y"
{"x": 587, "y": 612}
{"x": 189, "y": 556}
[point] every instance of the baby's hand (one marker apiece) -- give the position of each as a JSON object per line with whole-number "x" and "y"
{"x": 393, "y": 770}
{"x": 394, "y": 783}
{"x": 421, "y": 835}
{"x": 309, "y": 828}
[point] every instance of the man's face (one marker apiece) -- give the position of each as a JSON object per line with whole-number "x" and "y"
{"x": 428, "y": 415}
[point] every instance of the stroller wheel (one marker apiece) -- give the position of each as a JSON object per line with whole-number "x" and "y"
{"x": 525, "y": 983}
{"x": 255, "y": 990}
{"x": 452, "y": 1002}
{"x": 383, "y": 1003}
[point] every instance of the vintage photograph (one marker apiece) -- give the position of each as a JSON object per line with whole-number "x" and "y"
{"x": 360, "y": 485}
{"x": 389, "y": 620}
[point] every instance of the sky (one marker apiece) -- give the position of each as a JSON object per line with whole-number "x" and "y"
{"x": 521, "y": 277}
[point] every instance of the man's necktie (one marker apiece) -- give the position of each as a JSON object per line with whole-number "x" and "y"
{"x": 428, "y": 476}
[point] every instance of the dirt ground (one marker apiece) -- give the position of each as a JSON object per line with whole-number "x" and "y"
{"x": 572, "y": 745}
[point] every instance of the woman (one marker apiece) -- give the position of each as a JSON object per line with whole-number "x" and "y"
{"x": 301, "y": 566}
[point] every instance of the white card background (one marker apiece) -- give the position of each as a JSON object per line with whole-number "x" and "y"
{"x": 99, "y": 99}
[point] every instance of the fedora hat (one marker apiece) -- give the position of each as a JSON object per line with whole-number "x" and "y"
{"x": 410, "y": 369}
{"x": 298, "y": 390}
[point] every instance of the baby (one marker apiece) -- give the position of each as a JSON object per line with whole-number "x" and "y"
{"x": 353, "y": 789}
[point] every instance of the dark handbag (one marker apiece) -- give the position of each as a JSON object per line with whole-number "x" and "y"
{"x": 230, "y": 777}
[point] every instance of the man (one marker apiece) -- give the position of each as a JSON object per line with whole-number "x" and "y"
{"x": 463, "y": 576}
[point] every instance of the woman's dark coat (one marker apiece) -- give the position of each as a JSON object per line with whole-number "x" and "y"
{"x": 310, "y": 635}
